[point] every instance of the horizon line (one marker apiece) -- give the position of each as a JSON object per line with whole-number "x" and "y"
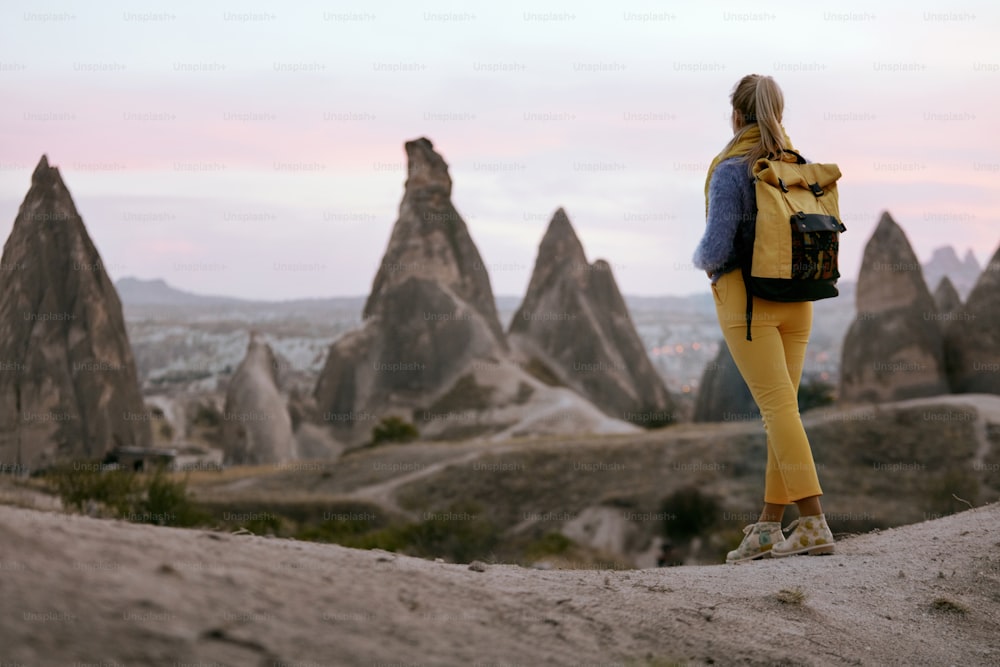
{"x": 365, "y": 296}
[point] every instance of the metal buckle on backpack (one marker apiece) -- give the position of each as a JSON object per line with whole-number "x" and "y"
{"x": 816, "y": 190}
{"x": 781, "y": 182}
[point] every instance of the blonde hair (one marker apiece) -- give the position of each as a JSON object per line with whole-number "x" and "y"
{"x": 759, "y": 101}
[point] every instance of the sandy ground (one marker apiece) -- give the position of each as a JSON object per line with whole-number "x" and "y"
{"x": 81, "y": 591}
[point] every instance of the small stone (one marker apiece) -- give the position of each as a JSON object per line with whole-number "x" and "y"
{"x": 477, "y": 566}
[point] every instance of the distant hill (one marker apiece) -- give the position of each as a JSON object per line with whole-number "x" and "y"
{"x": 945, "y": 262}
{"x": 156, "y": 291}
{"x": 136, "y": 291}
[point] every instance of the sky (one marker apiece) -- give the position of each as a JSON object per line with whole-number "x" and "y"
{"x": 255, "y": 149}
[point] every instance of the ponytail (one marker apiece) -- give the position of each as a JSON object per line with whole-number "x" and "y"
{"x": 770, "y": 104}
{"x": 760, "y": 102}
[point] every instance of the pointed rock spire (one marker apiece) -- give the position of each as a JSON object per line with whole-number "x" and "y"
{"x": 970, "y": 262}
{"x": 257, "y": 427}
{"x": 946, "y": 296}
{"x": 42, "y": 169}
{"x": 430, "y": 241}
{"x": 945, "y": 262}
{"x": 431, "y": 349}
{"x": 893, "y": 349}
{"x": 972, "y": 336}
{"x": 69, "y": 389}
{"x": 426, "y": 171}
{"x": 891, "y": 275}
{"x": 560, "y": 240}
{"x": 574, "y": 326}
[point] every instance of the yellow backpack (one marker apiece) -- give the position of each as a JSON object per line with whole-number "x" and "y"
{"x": 796, "y": 236}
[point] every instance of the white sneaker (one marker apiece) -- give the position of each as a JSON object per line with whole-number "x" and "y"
{"x": 757, "y": 543}
{"x": 811, "y": 535}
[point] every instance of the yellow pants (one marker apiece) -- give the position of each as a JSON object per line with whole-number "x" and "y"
{"x": 771, "y": 365}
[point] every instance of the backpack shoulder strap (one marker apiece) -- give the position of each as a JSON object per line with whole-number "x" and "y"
{"x": 798, "y": 158}
{"x": 745, "y": 269}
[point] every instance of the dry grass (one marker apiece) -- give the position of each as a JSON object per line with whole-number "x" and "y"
{"x": 947, "y": 606}
{"x": 792, "y": 596}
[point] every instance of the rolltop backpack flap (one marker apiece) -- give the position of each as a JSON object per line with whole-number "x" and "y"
{"x": 793, "y": 188}
{"x": 796, "y": 236}
{"x": 812, "y": 188}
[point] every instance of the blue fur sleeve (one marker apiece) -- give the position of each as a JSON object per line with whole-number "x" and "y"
{"x": 730, "y": 200}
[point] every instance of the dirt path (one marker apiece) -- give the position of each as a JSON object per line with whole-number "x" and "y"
{"x": 75, "y": 589}
{"x": 384, "y": 493}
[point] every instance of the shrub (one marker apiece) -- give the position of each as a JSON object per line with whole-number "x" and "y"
{"x": 345, "y": 523}
{"x": 165, "y": 502}
{"x": 166, "y": 431}
{"x": 393, "y": 429}
{"x": 207, "y": 415}
{"x": 688, "y": 512}
{"x": 815, "y": 393}
{"x": 459, "y": 539}
{"x": 125, "y": 494}
{"x": 652, "y": 419}
{"x": 948, "y": 606}
{"x": 459, "y": 533}
{"x": 792, "y": 596}
{"x": 550, "y": 544}
{"x": 81, "y": 482}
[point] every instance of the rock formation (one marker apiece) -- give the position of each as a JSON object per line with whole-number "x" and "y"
{"x": 431, "y": 349}
{"x": 946, "y": 297}
{"x": 945, "y": 262}
{"x": 723, "y": 395}
{"x": 256, "y": 426}
{"x": 894, "y": 348}
{"x": 574, "y": 326}
{"x": 431, "y": 249}
{"x": 68, "y": 384}
{"x": 972, "y": 336}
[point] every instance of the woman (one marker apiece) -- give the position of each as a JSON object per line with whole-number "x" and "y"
{"x": 771, "y": 363}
